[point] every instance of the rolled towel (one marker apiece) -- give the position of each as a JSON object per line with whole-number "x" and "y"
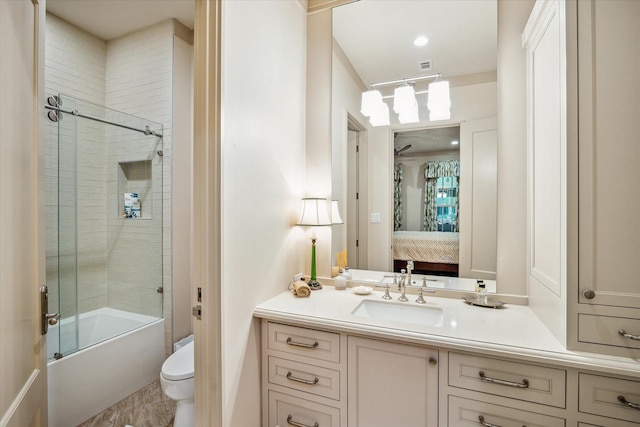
{"x": 301, "y": 289}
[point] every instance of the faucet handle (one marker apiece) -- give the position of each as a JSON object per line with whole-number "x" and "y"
{"x": 386, "y": 295}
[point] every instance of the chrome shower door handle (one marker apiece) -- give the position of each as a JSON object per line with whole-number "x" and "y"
{"x": 52, "y": 318}
{"x": 46, "y": 318}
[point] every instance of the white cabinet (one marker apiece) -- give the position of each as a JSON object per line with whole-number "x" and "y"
{"x": 391, "y": 384}
{"x": 607, "y": 292}
{"x": 303, "y": 377}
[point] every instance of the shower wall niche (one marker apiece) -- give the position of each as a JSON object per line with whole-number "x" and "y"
{"x": 135, "y": 178}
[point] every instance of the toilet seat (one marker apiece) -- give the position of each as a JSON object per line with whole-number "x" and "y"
{"x": 179, "y": 366}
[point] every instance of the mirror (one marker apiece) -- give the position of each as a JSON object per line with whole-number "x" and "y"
{"x": 373, "y": 43}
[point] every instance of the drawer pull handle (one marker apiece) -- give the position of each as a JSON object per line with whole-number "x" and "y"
{"x": 629, "y": 404}
{"x": 302, "y": 380}
{"x": 301, "y": 344}
{"x": 290, "y": 421}
{"x": 523, "y": 384}
{"x": 486, "y": 424}
{"x": 628, "y": 335}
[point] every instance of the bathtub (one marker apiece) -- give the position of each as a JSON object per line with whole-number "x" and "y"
{"x": 108, "y": 368}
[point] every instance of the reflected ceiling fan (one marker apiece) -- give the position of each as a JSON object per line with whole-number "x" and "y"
{"x": 398, "y": 151}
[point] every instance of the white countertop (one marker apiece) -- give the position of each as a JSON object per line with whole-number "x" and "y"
{"x": 513, "y": 330}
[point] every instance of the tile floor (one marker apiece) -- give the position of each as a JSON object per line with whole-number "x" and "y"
{"x": 148, "y": 407}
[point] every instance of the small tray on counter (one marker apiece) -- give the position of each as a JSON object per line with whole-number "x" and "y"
{"x": 491, "y": 303}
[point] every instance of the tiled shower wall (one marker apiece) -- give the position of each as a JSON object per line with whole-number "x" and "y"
{"x": 138, "y": 82}
{"x": 132, "y": 74}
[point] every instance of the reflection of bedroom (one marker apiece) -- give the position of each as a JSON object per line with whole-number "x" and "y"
{"x": 426, "y": 206}
{"x": 430, "y": 206}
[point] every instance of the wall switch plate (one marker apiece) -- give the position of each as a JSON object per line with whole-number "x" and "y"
{"x": 297, "y": 277}
{"x": 375, "y": 217}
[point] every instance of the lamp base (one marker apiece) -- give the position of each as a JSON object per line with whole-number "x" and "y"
{"x": 314, "y": 285}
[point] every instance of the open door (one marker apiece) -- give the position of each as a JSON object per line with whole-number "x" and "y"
{"x": 23, "y": 355}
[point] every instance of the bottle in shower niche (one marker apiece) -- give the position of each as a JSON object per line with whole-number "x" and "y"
{"x": 131, "y": 205}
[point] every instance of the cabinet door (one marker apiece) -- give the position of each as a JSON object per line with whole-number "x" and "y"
{"x": 609, "y": 152}
{"x": 391, "y": 384}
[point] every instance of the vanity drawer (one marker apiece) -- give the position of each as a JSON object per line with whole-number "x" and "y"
{"x": 304, "y": 342}
{"x": 604, "y": 330}
{"x": 467, "y": 412}
{"x": 285, "y": 410}
{"x": 304, "y": 377}
{"x": 599, "y": 395}
{"x": 509, "y": 379}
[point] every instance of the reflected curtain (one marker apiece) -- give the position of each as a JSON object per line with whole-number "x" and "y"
{"x": 433, "y": 171}
{"x": 397, "y": 197}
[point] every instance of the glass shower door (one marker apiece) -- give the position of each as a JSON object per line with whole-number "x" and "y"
{"x": 104, "y": 195}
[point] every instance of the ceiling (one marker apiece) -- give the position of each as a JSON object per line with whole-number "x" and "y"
{"x": 109, "y": 19}
{"x": 377, "y": 36}
{"x": 425, "y": 141}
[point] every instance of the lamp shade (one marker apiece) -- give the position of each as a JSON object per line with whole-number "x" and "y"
{"x": 370, "y": 100}
{"x": 314, "y": 212}
{"x": 409, "y": 114}
{"x": 335, "y": 213}
{"x": 439, "y": 102}
{"x": 380, "y": 115}
{"x": 404, "y": 98}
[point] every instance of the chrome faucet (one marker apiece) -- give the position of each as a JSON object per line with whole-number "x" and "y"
{"x": 409, "y": 269}
{"x": 402, "y": 286}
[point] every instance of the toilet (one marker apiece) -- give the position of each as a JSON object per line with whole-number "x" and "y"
{"x": 177, "y": 382}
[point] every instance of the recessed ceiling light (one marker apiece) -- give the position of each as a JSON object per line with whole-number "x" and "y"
{"x": 421, "y": 41}
{"x": 454, "y": 142}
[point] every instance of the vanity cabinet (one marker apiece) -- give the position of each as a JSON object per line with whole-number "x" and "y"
{"x": 391, "y": 384}
{"x": 607, "y": 298}
{"x": 322, "y": 378}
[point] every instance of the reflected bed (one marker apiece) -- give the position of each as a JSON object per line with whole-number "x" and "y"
{"x": 433, "y": 252}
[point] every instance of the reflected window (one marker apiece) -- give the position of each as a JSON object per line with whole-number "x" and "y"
{"x": 446, "y": 203}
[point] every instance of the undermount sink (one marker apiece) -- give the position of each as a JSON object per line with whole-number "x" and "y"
{"x": 399, "y": 312}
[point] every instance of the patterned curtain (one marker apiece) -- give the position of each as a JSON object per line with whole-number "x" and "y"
{"x": 430, "y": 222}
{"x": 433, "y": 171}
{"x": 397, "y": 197}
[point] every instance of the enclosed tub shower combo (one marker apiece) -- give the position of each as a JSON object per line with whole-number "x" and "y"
{"x": 104, "y": 251}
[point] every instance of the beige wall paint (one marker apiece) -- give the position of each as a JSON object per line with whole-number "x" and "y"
{"x": 263, "y": 158}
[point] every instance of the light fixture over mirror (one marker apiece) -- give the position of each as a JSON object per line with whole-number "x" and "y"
{"x": 374, "y": 42}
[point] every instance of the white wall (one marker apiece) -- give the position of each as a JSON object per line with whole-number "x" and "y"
{"x": 512, "y": 148}
{"x": 263, "y": 157}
